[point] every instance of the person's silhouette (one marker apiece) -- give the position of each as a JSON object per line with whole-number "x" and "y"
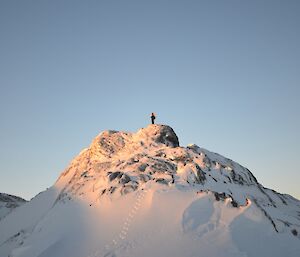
{"x": 152, "y": 117}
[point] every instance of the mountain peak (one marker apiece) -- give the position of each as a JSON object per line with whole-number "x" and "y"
{"x": 109, "y": 143}
{"x": 128, "y": 192}
{"x": 159, "y": 134}
{"x": 118, "y": 163}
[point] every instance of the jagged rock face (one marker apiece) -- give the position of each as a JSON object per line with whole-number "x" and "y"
{"x": 109, "y": 143}
{"x": 8, "y": 203}
{"x": 118, "y": 163}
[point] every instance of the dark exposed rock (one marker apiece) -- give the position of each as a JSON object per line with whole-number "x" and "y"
{"x": 200, "y": 175}
{"x": 294, "y": 232}
{"x": 114, "y": 175}
{"x": 143, "y": 167}
{"x": 181, "y": 158}
{"x": 162, "y": 181}
{"x": 162, "y": 166}
{"x": 125, "y": 179}
{"x": 108, "y": 143}
{"x": 237, "y": 178}
{"x": 135, "y": 159}
{"x": 223, "y": 196}
{"x": 252, "y": 176}
{"x": 112, "y": 189}
{"x": 161, "y": 154}
{"x": 84, "y": 174}
{"x": 234, "y": 203}
{"x": 167, "y": 136}
{"x": 220, "y": 196}
{"x": 144, "y": 177}
{"x": 10, "y": 198}
{"x": 173, "y": 179}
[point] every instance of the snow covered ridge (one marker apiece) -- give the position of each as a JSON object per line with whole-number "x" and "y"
{"x": 8, "y": 203}
{"x": 142, "y": 194}
{"x": 118, "y": 163}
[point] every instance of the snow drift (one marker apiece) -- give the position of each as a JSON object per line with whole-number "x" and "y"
{"x": 141, "y": 194}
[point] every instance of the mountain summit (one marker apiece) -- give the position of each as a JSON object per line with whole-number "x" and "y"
{"x": 142, "y": 194}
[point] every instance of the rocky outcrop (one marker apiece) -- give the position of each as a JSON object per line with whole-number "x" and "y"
{"x": 161, "y": 134}
{"x": 8, "y": 203}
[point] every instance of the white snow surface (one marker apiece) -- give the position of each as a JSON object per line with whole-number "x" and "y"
{"x": 141, "y": 194}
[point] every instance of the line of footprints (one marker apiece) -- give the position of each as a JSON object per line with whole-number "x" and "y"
{"x": 125, "y": 228}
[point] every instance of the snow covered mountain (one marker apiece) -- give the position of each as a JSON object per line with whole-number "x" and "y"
{"x": 141, "y": 194}
{"x": 9, "y": 203}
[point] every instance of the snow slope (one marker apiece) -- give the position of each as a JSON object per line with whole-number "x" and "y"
{"x": 141, "y": 194}
{"x": 8, "y": 203}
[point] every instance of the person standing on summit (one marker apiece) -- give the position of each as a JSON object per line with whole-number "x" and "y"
{"x": 152, "y": 117}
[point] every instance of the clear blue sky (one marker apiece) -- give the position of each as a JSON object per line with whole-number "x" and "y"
{"x": 224, "y": 74}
